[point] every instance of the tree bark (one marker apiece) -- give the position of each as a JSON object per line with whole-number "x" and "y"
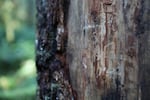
{"x": 52, "y": 70}
{"x": 93, "y": 49}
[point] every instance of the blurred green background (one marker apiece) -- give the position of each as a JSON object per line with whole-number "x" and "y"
{"x": 17, "y": 36}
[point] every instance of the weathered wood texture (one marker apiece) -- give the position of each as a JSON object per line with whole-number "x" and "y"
{"x": 93, "y": 49}
{"x": 103, "y": 49}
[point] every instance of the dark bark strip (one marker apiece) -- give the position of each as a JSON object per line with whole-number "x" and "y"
{"x": 52, "y": 70}
{"x": 142, "y": 20}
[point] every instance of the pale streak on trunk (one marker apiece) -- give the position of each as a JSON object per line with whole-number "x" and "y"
{"x": 103, "y": 49}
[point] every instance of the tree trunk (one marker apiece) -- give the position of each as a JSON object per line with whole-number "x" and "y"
{"x": 93, "y": 50}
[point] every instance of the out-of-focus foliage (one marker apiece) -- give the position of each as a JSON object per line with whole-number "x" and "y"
{"x": 17, "y": 68}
